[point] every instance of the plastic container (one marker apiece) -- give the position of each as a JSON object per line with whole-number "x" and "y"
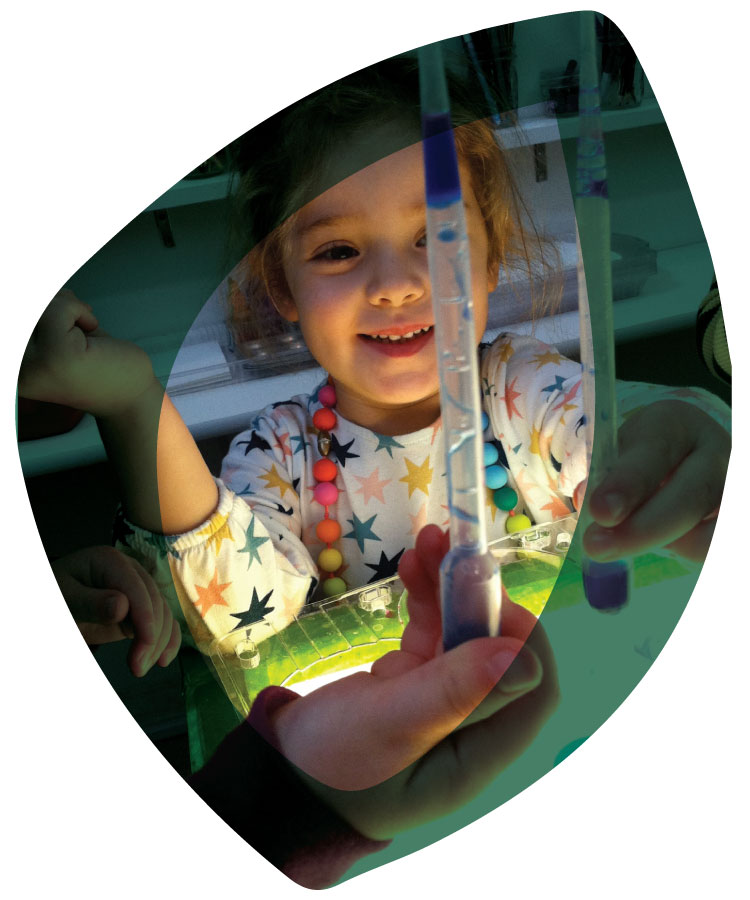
{"x": 331, "y": 637}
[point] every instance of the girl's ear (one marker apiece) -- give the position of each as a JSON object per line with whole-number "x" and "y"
{"x": 283, "y": 301}
{"x": 285, "y": 307}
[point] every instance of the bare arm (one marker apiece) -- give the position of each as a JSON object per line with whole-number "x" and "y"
{"x": 166, "y": 486}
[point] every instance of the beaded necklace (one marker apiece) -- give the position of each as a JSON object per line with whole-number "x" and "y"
{"x": 325, "y": 492}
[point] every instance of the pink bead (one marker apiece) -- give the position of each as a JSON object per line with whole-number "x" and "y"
{"x": 326, "y": 493}
{"x": 327, "y": 395}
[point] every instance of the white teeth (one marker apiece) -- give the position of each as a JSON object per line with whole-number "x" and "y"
{"x": 402, "y": 337}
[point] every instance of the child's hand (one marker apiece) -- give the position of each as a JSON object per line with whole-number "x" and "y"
{"x": 666, "y": 486}
{"x": 424, "y": 732}
{"x": 70, "y": 361}
{"x": 112, "y": 597}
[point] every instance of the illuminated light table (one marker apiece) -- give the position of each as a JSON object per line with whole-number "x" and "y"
{"x": 331, "y": 637}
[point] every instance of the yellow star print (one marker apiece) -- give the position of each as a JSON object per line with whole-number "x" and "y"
{"x": 506, "y": 351}
{"x": 566, "y": 407}
{"x": 534, "y": 445}
{"x": 549, "y": 356}
{"x": 491, "y": 501}
{"x": 274, "y": 480}
{"x": 217, "y": 534}
{"x": 418, "y": 477}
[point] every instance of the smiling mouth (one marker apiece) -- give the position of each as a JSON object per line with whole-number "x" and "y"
{"x": 398, "y": 338}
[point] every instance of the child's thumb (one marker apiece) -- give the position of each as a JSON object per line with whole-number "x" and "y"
{"x": 471, "y": 682}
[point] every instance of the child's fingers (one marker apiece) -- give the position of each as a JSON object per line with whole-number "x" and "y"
{"x": 148, "y": 615}
{"x": 653, "y": 443}
{"x": 165, "y": 635}
{"x": 694, "y": 545}
{"x": 173, "y": 646}
{"x": 422, "y": 634}
{"x": 419, "y": 570}
{"x": 671, "y": 512}
{"x": 640, "y": 469}
{"x": 95, "y": 606}
{"x": 65, "y": 312}
{"x": 431, "y": 546}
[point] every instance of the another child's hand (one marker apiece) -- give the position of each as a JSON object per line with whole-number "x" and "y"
{"x": 666, "y": 487}
{"x": 112, "y": 597}
{"x": 425, "y": 731}
{"x": 70, "y": 361}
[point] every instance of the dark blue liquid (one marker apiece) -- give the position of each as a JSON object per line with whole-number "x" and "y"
{"x": 606, "y": 585}
{"x": 440, "y": 161}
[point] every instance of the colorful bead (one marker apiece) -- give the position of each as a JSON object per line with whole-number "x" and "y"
{"x": 324, "y": 470}
{"x": 496, "y": 477}
{"x": 333, "y": 586}
{"x": 324, "y": 419}
{"x": 505, "y": 498}
{"x": 328, "y": 530}
{"x": 519, "y": 522}
{"x": 327, "y": 395}
{"x": 491, "y": 455}
{"x": 326, "y": 493}
{"x": 330, "y": 560}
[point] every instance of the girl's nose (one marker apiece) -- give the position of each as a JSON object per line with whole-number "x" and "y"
{"x": 397, "y": 278}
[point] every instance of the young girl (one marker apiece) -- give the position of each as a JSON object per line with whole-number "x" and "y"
{"x": 327, "y": 492}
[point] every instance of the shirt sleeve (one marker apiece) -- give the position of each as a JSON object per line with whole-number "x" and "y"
{"x": 246, "y": 567}
{"x": 536, "y": 410}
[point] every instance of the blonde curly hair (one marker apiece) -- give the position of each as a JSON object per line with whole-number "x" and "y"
{"x": 284, "y": 163}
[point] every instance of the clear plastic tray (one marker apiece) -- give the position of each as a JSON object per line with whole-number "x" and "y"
{"x": 358, "y": 627}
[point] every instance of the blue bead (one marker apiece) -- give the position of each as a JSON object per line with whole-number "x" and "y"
{"x": 496, "y": 477}
{"x": 485, "y": 421}
{"x": 491, "y": 454}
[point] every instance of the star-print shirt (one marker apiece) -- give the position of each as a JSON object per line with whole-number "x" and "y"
{"x": 255, "y": 557}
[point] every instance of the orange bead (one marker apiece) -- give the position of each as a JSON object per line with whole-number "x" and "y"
{"x": 324, "y": 470}
{"x": 324, "y": 419}
{"x": 328, "y": 530}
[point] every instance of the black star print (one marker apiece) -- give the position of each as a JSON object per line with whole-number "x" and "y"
{"x": 385, "y": 567}
{"x": 280, "y": 507}
{"x": 255, "y": 612}
{"x": 255, "y": 442}
{"x": 286, "y": 403}
{"x": 557, "y": 466}
{"x": 341, "y": 451}
{"x": 311, "y": 590}
{"x": 121, "y": 531}
{"x": 295, "y": 485}
{"x": 579, "y": 424}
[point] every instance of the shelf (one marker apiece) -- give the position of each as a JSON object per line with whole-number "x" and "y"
{"x": 540, "y": 129}
{"x": 669, "y": 302}
{"x": 537, "y": 129}
{"x": 193, "y": 190}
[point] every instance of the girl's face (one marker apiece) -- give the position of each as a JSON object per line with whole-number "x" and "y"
{"x": 356, "y": 267}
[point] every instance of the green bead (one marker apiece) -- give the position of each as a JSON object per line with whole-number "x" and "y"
{"x": 333, "y": 586}
{"x": 505, "y": 498}
{"x": 517, "y": 523}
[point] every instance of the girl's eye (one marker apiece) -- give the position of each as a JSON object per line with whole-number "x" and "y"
{"x": 422, "y": 242}
{"x": 337, "y": 253}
